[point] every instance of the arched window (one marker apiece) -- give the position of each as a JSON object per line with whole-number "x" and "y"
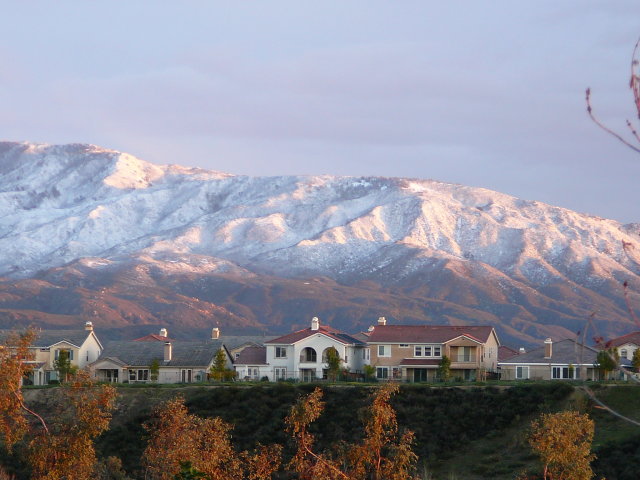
{"x": 308, "y": 355}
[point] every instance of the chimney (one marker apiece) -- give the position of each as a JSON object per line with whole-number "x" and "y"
{"x": 548, "y": 348}
{"x": 521, "y": 351}
{"x": 88, "y": 326}
{"x": 382, "y": 321}
{"x": 163, "y": 332}
{"x": 215, "y": 333}
{"x": 167, "y": 351}
{"x": 315, "y": 323}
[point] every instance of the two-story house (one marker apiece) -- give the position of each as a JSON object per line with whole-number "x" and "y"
{"x": 626, "y": 345}
{"x": 82, "y": 346}
{"x": 413, "y": 352}
{"x": 302, "y": 355}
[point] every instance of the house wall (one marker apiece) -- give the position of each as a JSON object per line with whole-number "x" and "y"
{"x": 630, "y": 349}
{"x": 543, "y": 372}
{"x": 319, "y": 342}
{"x": 89, "y": 351}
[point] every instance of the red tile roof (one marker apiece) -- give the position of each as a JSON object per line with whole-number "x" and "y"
{"x": 153, "y": 338}
{"x": 505, "y": 352}
{"x": 426, "y": 333}
{"x": 629, "y": 338}
{"x": 307, "y": 332}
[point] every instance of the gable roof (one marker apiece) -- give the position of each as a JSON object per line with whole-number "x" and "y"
{"x": 564, "y": 352}
{"x": 234, "y": 341}
{"x": 252, "y": 356}
{"x": 427, "y": 333}
{"x": 47, "y": 338}
{"x": 330, "y": 332}
{"x": 183, "y": 354}
{"x": 633, "y": 337}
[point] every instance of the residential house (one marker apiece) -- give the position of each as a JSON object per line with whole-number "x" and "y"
{"x": 251, "y": 364}
{"x": 563, "y": 360}
{"x": 626, "y": 345}
{"x": 302, "y": 355}
{"x": 82, "y": 346}
{"x": 413, "y": 352}
{"x": 178, "y": 361}
{"x": 236, "y": 344}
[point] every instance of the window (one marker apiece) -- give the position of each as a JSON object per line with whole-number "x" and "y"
{"x": 563, "y": 373}
{"x": 280, "y": 373}
{"x": 396, "y": 373}
{"x": 464, "y": 354}
{"x": 132, "y": 375}
{"x": 57, "y": 353}
{"x": 384, "y": 351}
{"x": 143, "y": 375}
{"x": 522, "y": 373}
{"x": 366, "y": 354}
{"x": 308, "y": 355}
{"x": 281, "y": 352}
{"x": 186, "y": 376}
{"x": 87, "y": 355}
{"x": 404, "y": 345}
{"x": 382, "y": 373}
{"x": 623, "y": 353}
{"x": 426, "y": 351}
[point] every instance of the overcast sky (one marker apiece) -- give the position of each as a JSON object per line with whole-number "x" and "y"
{"x": 487, "y": 94}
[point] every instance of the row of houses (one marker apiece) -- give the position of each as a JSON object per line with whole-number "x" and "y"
{"x": 407, "y": 353}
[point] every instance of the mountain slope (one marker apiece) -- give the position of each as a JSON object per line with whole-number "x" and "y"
{"x": 81, "y": 211}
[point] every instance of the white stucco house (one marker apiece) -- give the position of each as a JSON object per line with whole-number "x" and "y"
{"x": 302, "y": 355}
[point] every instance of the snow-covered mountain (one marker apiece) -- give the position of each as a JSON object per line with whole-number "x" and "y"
{"x": 100, "y": 209}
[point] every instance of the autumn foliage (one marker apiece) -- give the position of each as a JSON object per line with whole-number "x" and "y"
{"x": 62, "y": 448}
{"x": 65, "y": 450}
{"x": 175, "y": 437}
{"x": 382, "y": 454}
{"x": 563, "y": 442}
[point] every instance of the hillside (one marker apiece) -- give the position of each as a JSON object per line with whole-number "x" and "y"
{"x": 490, "y": 423}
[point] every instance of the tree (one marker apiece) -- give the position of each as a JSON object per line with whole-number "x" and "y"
{"x": 175, "y": 437}
{"x": 187, "y": 472}
{"x": 334, "y": 363}
{"x": 154, "y": 370}
{"x": 14, "y": 366}
{"x": 110, "y": 468}
{"x": 63, "y": 366}
{"x": 65, "y": 449}
{"x": 369, "y": 372}
{"x": 444, "y": 368}
{"x": 381, "y": 455}
{"x": 635, "y": 360}
{"x": 219, "y": 370}
{"x": 607, "y": 361}
{"x": 563, "y": 442}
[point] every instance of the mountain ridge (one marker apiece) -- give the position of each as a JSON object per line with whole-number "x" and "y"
{"x": 82, "y": 206}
